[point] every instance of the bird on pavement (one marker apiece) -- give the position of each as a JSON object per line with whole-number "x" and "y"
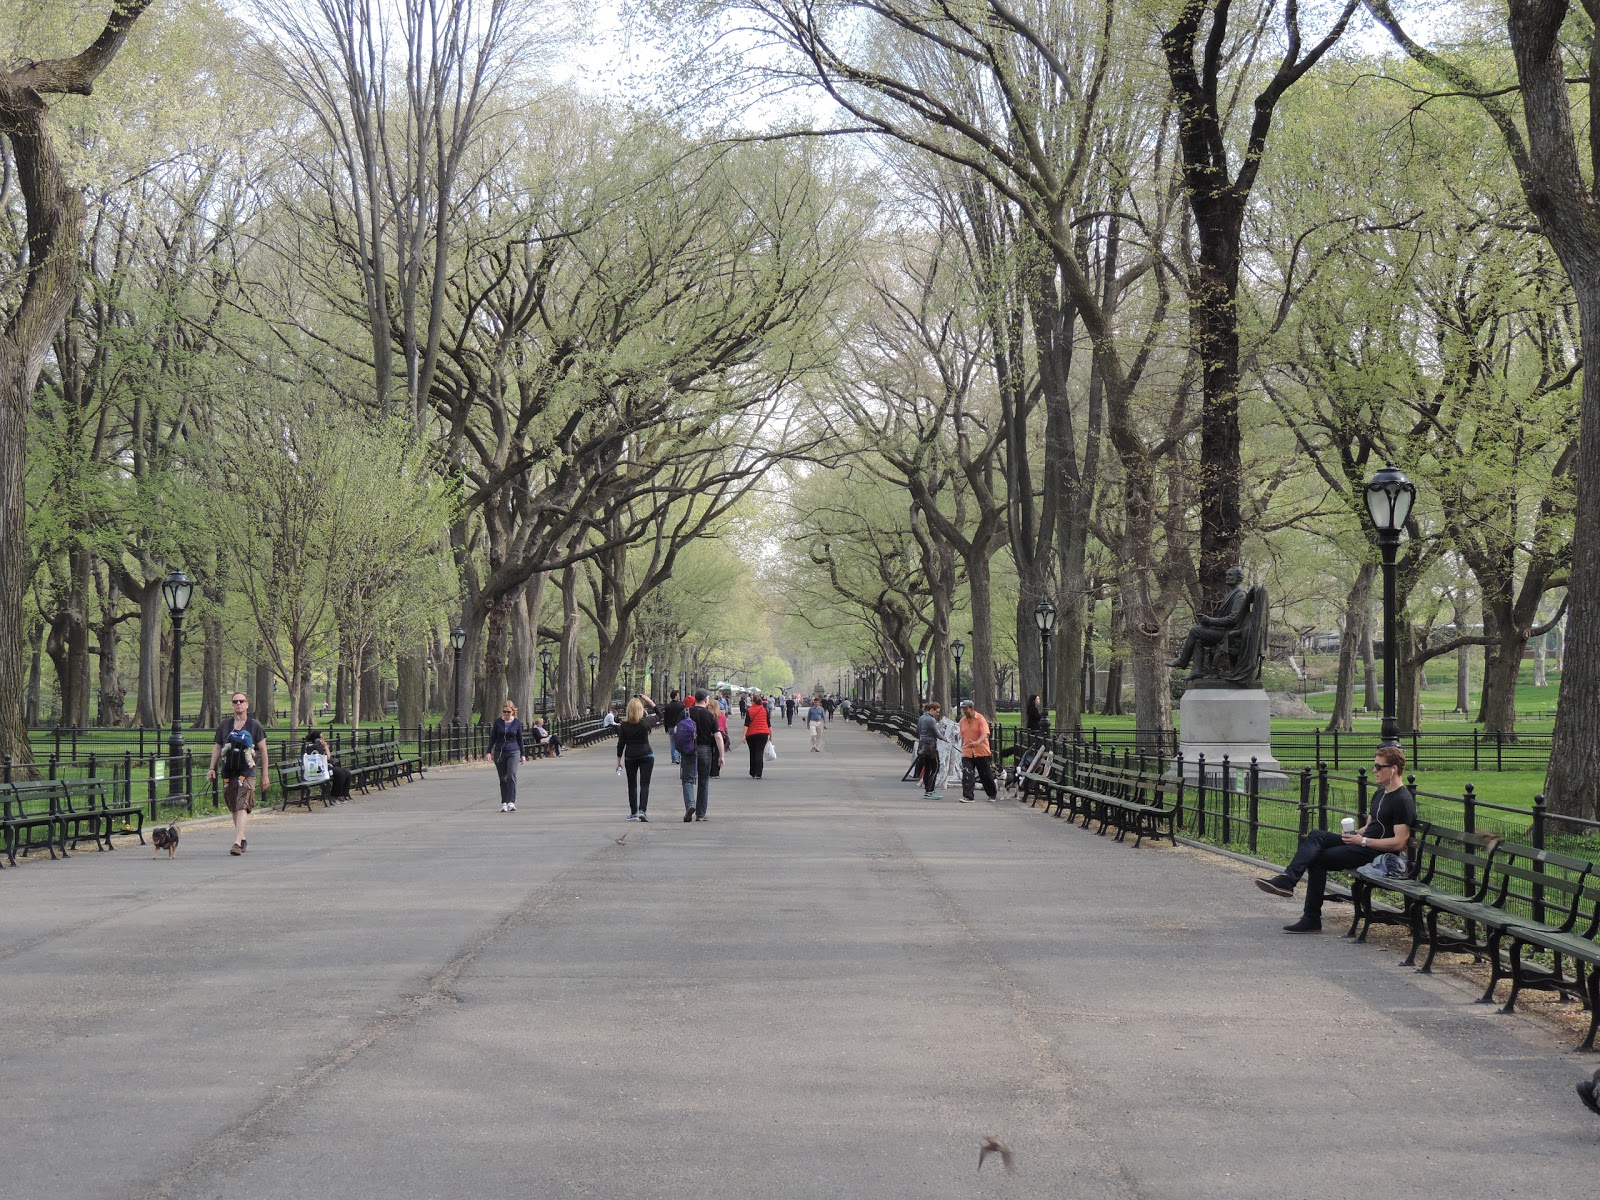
{"x": 1587, "y": 1093}
{"x": 993, "y": 1145}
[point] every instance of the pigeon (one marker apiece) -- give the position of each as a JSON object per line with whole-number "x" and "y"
{"x": 993, "y": 1145}
{"x": 1587, "y": 1093}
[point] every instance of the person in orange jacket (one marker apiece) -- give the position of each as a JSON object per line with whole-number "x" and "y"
{"x": 977, "y": 758}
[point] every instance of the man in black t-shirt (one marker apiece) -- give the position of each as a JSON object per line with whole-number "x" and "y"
{"x": 695, "y": 772}
{"x": 240, "y": 772}
{"x": 1394, "y": 815}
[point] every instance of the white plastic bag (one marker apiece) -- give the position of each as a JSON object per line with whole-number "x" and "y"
{"x": 770, "y": 754}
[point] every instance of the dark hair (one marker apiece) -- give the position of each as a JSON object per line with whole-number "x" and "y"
{"x": 1392, "y": 756}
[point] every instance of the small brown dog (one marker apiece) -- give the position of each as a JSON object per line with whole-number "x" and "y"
{"x": 165, "y": 839}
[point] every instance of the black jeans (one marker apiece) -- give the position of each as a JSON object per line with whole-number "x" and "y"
{"x": 1319, "y": 853}
{"x": 506, "y": 765}
{"x": 983, "y": 768}
{"x": 928, "y": 769}
{"x": 758, "y": 748}
{"x": 638, "y": 772}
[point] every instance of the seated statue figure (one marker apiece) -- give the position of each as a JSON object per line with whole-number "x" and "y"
{"x": 1231, "y": 640}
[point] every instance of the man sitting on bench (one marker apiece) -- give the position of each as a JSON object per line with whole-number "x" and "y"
{"x": 543, "y": 737}
{"x": 1388, "y": 832}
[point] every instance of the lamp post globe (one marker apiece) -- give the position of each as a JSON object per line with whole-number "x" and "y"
{"x": 1389, "y": 496}
{"x": 958, "y": 648}
{"x": 176, "y": 590}
{"x": 594, "y": 661}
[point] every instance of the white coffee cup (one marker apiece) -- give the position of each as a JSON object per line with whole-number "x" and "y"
{"x": 1348, "y": 824}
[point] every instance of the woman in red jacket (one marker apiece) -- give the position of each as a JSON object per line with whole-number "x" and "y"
{"x": 757, "y": 733}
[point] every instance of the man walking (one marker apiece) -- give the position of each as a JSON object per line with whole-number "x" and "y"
{"x": 241, "y": 745}
{"x": 928, "y": 749}
{"x": 695, "y": 770}
{"x": 816, "y": 718}
{"x": 670, "y": 716}
{"x": 977, "y": 758}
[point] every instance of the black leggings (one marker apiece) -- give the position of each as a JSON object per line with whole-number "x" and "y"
{"x": 758, "y": 745}
{"x": 638, "y": 772}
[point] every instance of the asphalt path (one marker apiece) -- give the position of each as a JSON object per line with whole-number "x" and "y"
{"x": 832, "y": 988}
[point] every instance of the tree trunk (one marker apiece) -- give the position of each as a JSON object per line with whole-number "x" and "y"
{"x": 1352, "y": 640}
{"x": 1370, "y": 699}
{"x": 209, "y": 715}
{"x": 30, "y": 714}
{"x": 411, "y": 684}
{"x": 264, "y": 694}
{"x": 341, "y": 692}
{"x": 112, "y": 693}
{"x": 1463, "y": 679}
{"x": 1540, "y": 656}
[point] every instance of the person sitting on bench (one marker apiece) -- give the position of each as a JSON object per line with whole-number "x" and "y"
{"x": 543, "y": 737}
{"x": 1394, "y": 813}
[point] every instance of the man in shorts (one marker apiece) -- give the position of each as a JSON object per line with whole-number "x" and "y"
{"x": 241, "y": 750}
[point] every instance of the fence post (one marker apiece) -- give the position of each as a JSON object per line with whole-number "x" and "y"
{"x": 1335, "y": 749}
{"x": 1200, "y": 796}
{"x": 1305, "y": 801}
{"x": 1361, "y": 795}
{"x": 1322, "y": 795}
{"x": 1499, "y": 750}
{"x": 1177, "y": 808}
{"x": 127, "y": 779}
{"x": 1416, "y": 750}
{"x": 1255, "y": 801}
{"x": 1475, "y": 766}
{"x": 188, "y": 778}
{"x": 150, "y": 787}
{"x": 1227, "y": 800}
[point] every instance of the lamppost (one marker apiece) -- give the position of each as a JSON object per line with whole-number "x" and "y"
{"x": 922, "y": 657}
{"x": 900, "y": 675}
{"x": 627, "y": 679}
{"x": 544, "y": 678}
{"x": 957, "y": 649}
{"x": 594, "y": 661}
{"x": 1044, "y": 616}
{"x": 176, "y": 590}
{"x": 458, "y": 641}
{"x": 1389, "y": 498}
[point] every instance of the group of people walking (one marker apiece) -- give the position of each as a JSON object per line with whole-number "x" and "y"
{"x": 697, "y": 734}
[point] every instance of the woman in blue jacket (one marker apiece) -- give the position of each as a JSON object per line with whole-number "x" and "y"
{"x": 505, "y": 751}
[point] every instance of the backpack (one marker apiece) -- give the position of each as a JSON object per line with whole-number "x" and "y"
{"x": 238, "y": 754}
{"x": 684, "y": 734}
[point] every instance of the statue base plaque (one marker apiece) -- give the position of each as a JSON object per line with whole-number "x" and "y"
{"x": 1228, "y": 722}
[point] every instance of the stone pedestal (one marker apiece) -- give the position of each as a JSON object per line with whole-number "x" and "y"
{"x": 1230, "y": 722}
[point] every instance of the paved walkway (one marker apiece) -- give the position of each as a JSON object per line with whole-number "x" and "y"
{"x": 831, "y": 989}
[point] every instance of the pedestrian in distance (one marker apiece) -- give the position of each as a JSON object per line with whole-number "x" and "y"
{"x": 506, "y": 752}
{"x": 241, "y": 749}
{"x": 695, "y": 770}
{"x": 671, "y": 714}
{"x": 757, "y": 733}
{"x": 635, "y": 757}
{"x": 719, "y": 713}
{"x": 816, "y": 721}
{"x": 977, "y": 758}
{"x": 1394, "y": 815}
{"x": 928, "y": 749}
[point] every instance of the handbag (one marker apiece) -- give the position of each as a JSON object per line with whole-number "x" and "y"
{"x": 770, "y": 754}
{"x": 314, "y": 767}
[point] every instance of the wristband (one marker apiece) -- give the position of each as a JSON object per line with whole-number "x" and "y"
{"x": 1363, "y": 839}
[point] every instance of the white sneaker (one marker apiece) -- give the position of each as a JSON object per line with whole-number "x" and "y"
{"x": 633, "y": 816}
{"x": 504, "y": 807}
{"x": 511, "y": 807}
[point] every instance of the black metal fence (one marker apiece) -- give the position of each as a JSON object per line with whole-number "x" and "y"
{"x": 142, "y": 770}
{"x": 1242, "y": 808}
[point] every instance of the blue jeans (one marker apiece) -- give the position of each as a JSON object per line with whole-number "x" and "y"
{"x": 695, "y": 774}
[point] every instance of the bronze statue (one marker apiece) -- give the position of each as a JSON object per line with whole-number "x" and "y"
{"x": 1231, "y": 641}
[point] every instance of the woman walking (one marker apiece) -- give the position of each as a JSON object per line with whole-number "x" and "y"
{"x": 757, "y": 733}
{"x": 635, "y": 758}
{"x": 505, "y": 751}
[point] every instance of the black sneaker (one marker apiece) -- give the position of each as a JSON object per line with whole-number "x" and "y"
{"x": 644, "y": 818}
{"x": 1304, "y": 925}
{"x": 688, "y": 816}
{"x": 1278, "y": 885}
